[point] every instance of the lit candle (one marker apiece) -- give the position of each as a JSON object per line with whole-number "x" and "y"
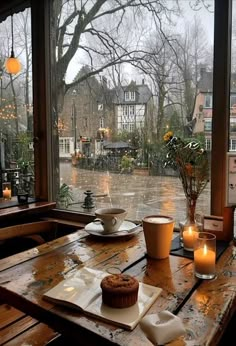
{"x": 6, "y": 193}
{"x": 189, "y": 237}
{"x": 204, "y": 260}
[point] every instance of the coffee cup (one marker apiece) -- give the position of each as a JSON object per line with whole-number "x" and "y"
{"x": 110, "y": 218}
{"x": 158, "y": 232}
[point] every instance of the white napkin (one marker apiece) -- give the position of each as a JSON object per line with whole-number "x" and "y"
{"x": 162, "y": 328}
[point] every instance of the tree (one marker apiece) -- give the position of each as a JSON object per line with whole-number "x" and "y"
{"x": 79, "y": 32}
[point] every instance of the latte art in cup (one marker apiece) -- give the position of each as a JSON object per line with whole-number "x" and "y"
{"x": 158, "y": 220}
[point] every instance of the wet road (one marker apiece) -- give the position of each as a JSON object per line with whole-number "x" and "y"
{"x": 139, "y": 195}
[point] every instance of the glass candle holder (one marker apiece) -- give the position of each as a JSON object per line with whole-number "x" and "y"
{"x": 6, "y": 190}
{"x": 205, "y": 255}
{"x": 189, "y": 235}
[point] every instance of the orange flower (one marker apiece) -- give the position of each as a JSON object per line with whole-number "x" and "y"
{"x": 168, "y": 136}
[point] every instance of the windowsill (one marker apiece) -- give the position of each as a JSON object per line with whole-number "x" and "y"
{"x": 34, "y": 207}
{"x": 13, "y": 202}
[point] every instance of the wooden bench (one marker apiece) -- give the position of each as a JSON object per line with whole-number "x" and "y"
{"x": 18, "y": 329}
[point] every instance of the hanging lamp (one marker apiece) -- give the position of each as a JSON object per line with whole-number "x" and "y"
{"x": 12, "y": 64}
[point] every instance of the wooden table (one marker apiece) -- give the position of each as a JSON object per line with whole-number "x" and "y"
{"x": 204, "y": 306}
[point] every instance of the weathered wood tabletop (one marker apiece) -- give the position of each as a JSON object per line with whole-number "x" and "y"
{"x": 205, "y": 307}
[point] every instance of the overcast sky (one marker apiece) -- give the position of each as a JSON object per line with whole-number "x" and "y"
{"x": 206, "y": 17}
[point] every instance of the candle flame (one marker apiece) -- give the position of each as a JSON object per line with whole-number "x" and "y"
{"x": 205, "y": 250}
{"x": 190, "y": 231}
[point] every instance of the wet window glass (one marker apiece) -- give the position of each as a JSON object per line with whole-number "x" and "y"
{"x": 16, "y": 110}
{"x": 124, "y": 77}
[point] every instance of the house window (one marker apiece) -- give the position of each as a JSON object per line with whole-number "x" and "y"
{"x": 232, "y": 145}
{"x": 131, "y": 127}
{"x": 131, "y": 110}
{"x": 207, "y": 125}
{"x": 208, "y": 101}
{"x": 125, "y": 110}
{"x": 101, "y": 122}
{"x": 64, "y": 145}
{"x": 208, "y": 144}
{"x": 127, "y": 96}
{"x": 132, "y": 95}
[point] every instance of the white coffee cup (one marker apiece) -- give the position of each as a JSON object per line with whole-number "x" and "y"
{"x": 110, "y": 218}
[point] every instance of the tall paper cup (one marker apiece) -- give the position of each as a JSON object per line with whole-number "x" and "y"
{"x": 158, "y": 232}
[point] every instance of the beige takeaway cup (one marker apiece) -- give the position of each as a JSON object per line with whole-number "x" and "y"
{"x": 158, "y": 232}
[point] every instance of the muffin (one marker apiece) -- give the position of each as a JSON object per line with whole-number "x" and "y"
{"x": 119, "y": 290}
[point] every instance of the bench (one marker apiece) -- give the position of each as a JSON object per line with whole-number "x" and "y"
{"x": 18, "y": 329}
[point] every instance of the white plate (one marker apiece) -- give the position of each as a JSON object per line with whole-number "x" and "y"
{"x": 96, "y": 229}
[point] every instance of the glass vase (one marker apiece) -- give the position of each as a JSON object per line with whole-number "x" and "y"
{"x": 190, "y": 227}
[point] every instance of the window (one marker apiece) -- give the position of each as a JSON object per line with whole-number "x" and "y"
{"x": 131, "y": 110}
{"x": 132, "y": 95}
{"x": 136, "y": 129}
{"x": 127, "y": 96}
{"x": 64, "y": 146}
{"x": 207, "y": 125}
{"x": 208, "y": 101}
{"x": 101, "y": 94}
{"x": 232, "y": 145}
{"x": 101, "y": 125}
{"x": 208, "y": 144}
{"x": 131, "y": 127}
{"x": 125, "y": 110}
{"x": 16, "y": 108}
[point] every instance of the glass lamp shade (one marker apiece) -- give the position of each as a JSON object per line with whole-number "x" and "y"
{"x": 13, "y": 65}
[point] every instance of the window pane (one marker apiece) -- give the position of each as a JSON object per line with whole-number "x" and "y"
{"x": 16, "y": 108}
{"x": 132, "y": 83}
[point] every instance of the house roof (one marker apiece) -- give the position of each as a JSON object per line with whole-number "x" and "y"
{"x": 205, "y": 83}
{"x": 143, "y": 93}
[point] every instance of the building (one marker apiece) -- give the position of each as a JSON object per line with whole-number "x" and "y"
{"x": 93, "y": 114}
{"x": 133, "y": 106}
{"x": 202, "y": 116}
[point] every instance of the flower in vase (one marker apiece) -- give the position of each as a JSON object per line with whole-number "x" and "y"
{"x": 190, "y": 160}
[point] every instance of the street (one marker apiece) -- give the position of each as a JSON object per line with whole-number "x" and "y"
{"x": 139, "y": 195}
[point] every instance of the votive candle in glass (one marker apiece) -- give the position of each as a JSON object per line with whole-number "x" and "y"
{"x": 6, "y": 190}
{"x": 190, "y": 233}
{"x": 205, "y": 255}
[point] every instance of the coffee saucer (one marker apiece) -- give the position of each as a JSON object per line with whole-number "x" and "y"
{"x": 124, "y": 230}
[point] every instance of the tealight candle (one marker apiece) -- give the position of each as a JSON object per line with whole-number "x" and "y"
{"x": 205, "y": 255}
{"x": 189, "y": 236}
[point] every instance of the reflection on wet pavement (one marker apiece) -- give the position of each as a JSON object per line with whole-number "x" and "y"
{"x": 140, "y": 195}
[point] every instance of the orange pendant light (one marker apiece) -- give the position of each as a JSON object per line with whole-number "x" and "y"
{"x": 12, "y": 64}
